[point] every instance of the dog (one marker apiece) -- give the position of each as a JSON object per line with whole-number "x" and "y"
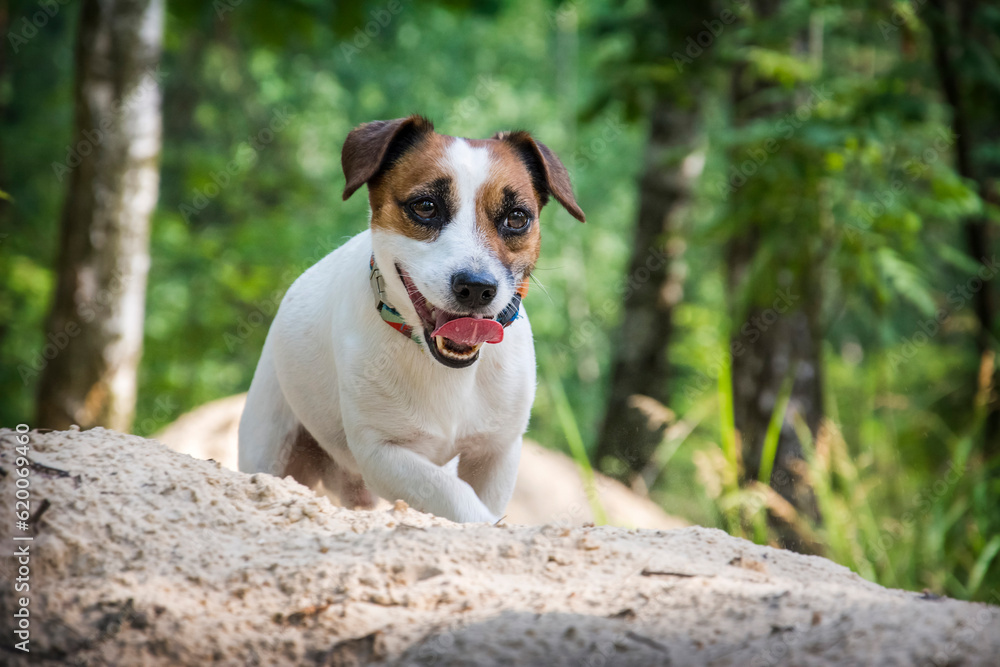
{"x": 407, "y": 349}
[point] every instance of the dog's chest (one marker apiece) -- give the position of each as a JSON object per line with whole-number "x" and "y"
{"x": 438, "y": 414}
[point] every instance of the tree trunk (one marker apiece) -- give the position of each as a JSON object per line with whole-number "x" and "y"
{"x": 94, "y": 336}
{"x": 773, "y": 344}
{"x": 956, "y": 29}
{"x": 776, "y": 336}
{"x": 640, "y": 366}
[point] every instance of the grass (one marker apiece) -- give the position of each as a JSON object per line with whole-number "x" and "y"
{"x": 904, "y": 494}
{"x": 905, "y": 522}
{"x": 571, "y": 432}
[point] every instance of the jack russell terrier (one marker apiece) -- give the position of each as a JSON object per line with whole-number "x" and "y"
{"x": 374, "y": 376}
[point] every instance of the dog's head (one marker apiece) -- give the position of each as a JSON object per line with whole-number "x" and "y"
{"x": 454, "y": 223}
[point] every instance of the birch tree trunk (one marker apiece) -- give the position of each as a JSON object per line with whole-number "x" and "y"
{"x": 94, "y": 337}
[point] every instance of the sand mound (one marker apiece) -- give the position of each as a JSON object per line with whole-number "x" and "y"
{"x": 549, "y": 488}
{"x": 149, "y": 557}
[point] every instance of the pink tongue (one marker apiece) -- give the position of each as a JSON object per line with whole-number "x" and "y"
{"x": 469, "y": 330}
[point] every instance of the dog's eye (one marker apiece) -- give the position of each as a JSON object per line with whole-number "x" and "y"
{"x": 517, "y": 219}
{"x": 424, "y": 208}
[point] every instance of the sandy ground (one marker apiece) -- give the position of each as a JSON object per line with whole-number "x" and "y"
{"x": 149, "y": 557}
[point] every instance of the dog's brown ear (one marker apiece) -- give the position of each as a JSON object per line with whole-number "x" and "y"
{"x": 547, "y": 171}
{"x": 372, "y": 147}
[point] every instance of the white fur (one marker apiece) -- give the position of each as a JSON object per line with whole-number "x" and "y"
{"x": 460, "y": 244}
{"x": 379, "y": 404}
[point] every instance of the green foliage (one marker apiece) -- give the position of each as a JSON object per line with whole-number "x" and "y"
{"x": 34, "y": 133}
{"x": 860, "y": 190}
{"x": 571, "y": 432}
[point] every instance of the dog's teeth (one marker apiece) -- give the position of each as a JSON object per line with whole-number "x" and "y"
{"x": 439, "y": 342}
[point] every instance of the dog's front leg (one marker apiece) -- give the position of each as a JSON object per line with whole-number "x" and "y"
{"x": 394, "y": 472}
{"x": 492, "y": 473}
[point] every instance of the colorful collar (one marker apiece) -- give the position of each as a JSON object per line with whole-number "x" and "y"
{"x": 395, "y": 320}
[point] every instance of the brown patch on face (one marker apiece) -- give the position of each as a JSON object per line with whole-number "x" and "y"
{"x": 509, "y": 186}
{"x": 549, "y": 175}
{"x": 418, "y": 172}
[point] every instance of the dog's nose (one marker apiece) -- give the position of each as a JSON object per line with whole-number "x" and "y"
{"x": 473, "y": 290}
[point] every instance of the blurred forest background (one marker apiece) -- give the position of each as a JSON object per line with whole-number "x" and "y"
{"x": 780, "y": 318}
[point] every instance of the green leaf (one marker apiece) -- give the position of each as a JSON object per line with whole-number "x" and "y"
{"x": 982, "y": 565}
{"x": 571, "y": 431}
{"x": 769, "y": 450}
{"x": 907, "y": 280}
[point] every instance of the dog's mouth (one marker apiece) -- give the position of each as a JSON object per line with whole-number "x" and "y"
{"x": 453, "y": 339}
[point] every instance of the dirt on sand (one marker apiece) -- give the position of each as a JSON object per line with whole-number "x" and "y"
{"x": 145, "y": 556}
